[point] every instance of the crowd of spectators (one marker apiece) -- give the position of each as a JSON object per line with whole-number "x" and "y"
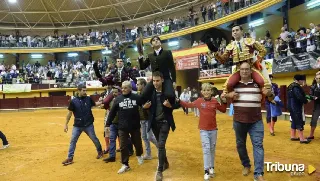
{"x": 65, "y": 73}
{"x": 210, "y": 11}
{"x": 305, "y": 39}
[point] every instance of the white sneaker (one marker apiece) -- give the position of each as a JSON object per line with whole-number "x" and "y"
{"x": 147, "y": 157}
{"x": 140, "y": 160}
{"x": 206, "y": 176}
{"x": 211, "y": 172}
{"x": 5, "y": 146}
{"x": 123, "y": 169}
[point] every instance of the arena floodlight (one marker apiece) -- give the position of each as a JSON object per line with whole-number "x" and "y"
{"x": 12, "y": 1}
{"x": 72, "y": 54}
{"x": 36, "y": 56}
{"x": 256, "y": 23}
{"x": 1, "y": 56}
{"x": 106, "y": 52}
{"x": 173, "y": 43}
{"x": 313, "y": 4}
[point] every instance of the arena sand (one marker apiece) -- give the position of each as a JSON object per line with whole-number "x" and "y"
{"x": 39, "y": 145}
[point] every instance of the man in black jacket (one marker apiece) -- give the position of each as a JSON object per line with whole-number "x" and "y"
{"x": 315, "y": 93}
{"x": 160, "y": 60}
{"x": 296, "y": 98}
{"x": 127, "y": 108}
{"x": 160, "y": 120}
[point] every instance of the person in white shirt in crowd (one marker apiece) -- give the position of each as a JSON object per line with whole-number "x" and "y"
{"x": 185, "y": 96}
{"x": 195, "y": 43}
{"x": 310, "y": 41}
{"x": 252, "y": 32}
{"x": 312, "y": 28}
{"x": 284, "y": 34}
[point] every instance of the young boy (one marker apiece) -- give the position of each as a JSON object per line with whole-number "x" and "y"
{"x": 208, "y": 106}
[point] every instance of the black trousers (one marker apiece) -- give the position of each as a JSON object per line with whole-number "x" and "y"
{"x": 3, "y": 138}
{"x": 136, "y": 140}
{"x": 167, "y": 88}
{"x": 161, "y": 132}
{"x": 185, "y": 109}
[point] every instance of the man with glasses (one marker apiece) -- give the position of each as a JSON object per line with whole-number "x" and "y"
{"x": 247, "y": 119}
{"x": 160, "y": 60}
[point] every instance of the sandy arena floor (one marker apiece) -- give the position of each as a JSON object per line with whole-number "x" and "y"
{"x": 39, "y": 145}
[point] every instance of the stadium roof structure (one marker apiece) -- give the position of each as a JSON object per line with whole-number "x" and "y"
{"x": 67, "y": 14}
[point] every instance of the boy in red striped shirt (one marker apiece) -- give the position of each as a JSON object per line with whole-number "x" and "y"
{"x": 207, "y": 106}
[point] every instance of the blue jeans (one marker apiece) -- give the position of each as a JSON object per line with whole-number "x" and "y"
{"x": 147, "y": 136}
{"x": 76, "y": 132}
{"x": 256, "y": 132}
{"x": 113, "y": 137}
{"x": 209, "y": 141}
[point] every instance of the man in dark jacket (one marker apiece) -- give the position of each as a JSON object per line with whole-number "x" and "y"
{"x": 160, "y": 120}
{"x": 315, "y": 94}
{"x": 81, "y": 106}
{"x": 127, "y": 108}
{"x": 162, "y": 61}
{"x": 296, "y": 100}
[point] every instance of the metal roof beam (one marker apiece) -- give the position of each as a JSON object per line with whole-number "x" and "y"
{"x": 47, "y": 13}
{"x": 139, "y": 9}
{"x": 115, "y": 11}
{"x": 75, "y": 10}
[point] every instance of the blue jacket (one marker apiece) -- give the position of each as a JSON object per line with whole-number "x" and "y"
{"x": 296, "y": 99}
{"x": 81, "y": 108}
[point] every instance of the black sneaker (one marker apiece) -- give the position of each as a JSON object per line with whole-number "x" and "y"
{"x": 110, "y": 159}
{"x": 131, "y": 153}
{"x": 305, "y": 141}
{"x": 310, "y": 137}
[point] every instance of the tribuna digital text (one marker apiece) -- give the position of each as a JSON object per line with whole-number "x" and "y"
{"x": 279, "y": 167}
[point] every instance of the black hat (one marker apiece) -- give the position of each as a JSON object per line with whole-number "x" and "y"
{"x": 299, "y": 77}
{"x": 211, "y": 44}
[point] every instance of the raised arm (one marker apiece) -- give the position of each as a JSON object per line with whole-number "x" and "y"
{"x": 188, "y": 104}
{"x": 143, "y": 64}
{"x": 171, "y": 67}
{"x": 222, "y": 58}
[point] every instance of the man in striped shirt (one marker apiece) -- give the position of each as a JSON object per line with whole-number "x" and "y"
{"x": 247, "y": 118}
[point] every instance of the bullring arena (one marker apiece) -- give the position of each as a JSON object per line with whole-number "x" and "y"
{"x": 58, "y": 57}
{"x": 39, "y": 145}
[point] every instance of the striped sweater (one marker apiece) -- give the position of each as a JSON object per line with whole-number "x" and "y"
{"x": 247, "y": 108}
